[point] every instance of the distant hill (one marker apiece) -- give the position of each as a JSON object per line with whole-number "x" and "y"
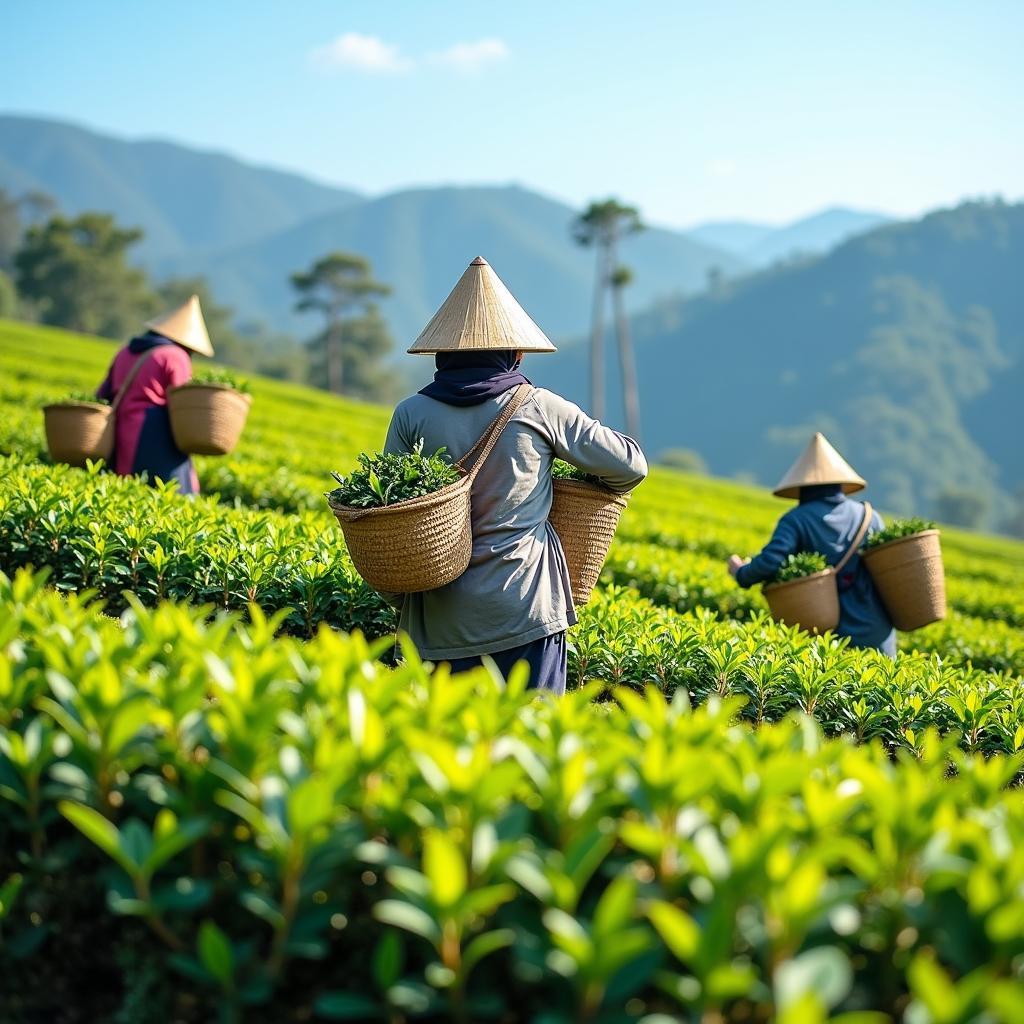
{"x": 248, "y": 228}
{"x": 735, "y": 236}
{"x": 762, "y": 244}
{"x": 905, "y": 345}
{"x": 184, "y": 199}
{"x": 421, "y": 240}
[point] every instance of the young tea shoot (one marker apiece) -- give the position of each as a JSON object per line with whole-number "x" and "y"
{"x": 898, "y": 529}
{"x": 564, "y": 471}
{"x": 85, "y": 396}
{"x": 795, "y": 567}
{"x": 387, "y": 478}
{"x": 224, "y": 378}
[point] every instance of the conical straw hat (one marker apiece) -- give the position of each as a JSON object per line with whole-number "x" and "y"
{"x": 820, "y": 463}
{"x": 481, "y": 313}
{"x": 186, "y": 326}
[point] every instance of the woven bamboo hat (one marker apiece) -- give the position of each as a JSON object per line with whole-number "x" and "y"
{"x": 186, "y": 326}
{"x": 820, "y": 463}
{"x": 481, "y": 313}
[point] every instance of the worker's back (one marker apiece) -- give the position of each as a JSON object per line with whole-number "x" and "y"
{"x": 516, "y": 588}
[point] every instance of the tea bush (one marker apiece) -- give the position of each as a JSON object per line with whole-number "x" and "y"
{"x": 117, "y": 535}
{"x": 685, "y": 580}
{"x": 208, "y": 822}
{"x": 776, "y": 669}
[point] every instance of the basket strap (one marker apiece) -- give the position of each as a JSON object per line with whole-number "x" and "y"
{"x": 132, "y": 374}
{"x": 489, "y": 438}
{"x": 857, "y": 541}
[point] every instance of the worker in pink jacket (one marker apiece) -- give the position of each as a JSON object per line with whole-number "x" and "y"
{"x": 143, "y": 440}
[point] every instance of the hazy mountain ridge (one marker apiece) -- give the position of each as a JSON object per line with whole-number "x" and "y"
{"x": 763, "y": 244}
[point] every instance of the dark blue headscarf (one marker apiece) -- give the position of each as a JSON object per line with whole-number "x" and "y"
{"x": 815, "y": 492}
{"x": 469, "y": 378}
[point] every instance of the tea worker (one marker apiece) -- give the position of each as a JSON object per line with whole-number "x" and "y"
{"x": 514, "y": 602}
{"x": 143, "y": 440}
{"x": 825, "y": 520}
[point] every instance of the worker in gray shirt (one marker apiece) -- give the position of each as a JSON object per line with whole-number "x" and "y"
{"x": 514, "y": 602}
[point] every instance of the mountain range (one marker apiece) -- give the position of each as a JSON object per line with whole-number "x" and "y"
{"x": 905, "y": 345}
{"x": 248, "y": 228}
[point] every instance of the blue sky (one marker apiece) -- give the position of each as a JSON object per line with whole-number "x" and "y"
{"x": 694, "y": 111}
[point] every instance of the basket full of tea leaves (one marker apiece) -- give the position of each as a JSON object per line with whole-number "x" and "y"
{"x": 79, "y": 428}
{"x": 804, "y": 593}
{"x": 585, "y": 515}
{"x": 208, "y": 413}
{"x": 905, "y": 561}
{"x": 406, "y": 519}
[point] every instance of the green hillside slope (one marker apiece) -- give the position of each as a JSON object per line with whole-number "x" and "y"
{"x": 670, "y": 550}
{"x": 894, "y": 345}
{"x": 184, "y": 199}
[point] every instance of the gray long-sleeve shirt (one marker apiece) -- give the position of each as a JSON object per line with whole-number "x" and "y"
{"x": 516, "y": 588}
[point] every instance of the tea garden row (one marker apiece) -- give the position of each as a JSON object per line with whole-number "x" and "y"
{"x": 271, "y": 470}
{"x": 225, "y": 821}
{"x": 113, "y": 535}
{"x": 699, "y": 516}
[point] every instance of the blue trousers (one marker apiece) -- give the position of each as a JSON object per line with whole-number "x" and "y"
{"x": 547, "y": 658}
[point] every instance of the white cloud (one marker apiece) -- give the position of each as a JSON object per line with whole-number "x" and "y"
{"x": 355, "y": 52}
{"x": 361, "y": 53}
{"x": 470, "y": 57}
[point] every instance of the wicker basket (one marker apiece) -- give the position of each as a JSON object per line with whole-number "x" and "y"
{"x": 423, "y": 543}
{"x": 584, "y": 517}
{"x": 910, "y": 578}
{"x": 810, "y": 602}
{"x": 207, "y": 419}
{"x": 414, "y": 545}
{"x": 77, "y": 431}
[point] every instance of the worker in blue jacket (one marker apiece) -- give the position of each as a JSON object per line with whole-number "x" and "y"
{"x": 826, "y": 521}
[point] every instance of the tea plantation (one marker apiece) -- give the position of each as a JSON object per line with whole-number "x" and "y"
{"x": 213, "y": 807}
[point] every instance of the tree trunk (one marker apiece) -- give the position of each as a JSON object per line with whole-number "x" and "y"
{"x": 597, "y": 336}
{"x": 627, "y": 365}
{"x": 627, "y": 359}
{"x": 333, "y": 356}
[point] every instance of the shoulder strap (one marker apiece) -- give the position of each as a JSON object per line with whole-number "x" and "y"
{"x": 485, "y": 445}
{"x": 132, "y": 374}
{"x": 857, "y": 541}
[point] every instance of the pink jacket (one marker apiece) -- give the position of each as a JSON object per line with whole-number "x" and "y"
{"x": 166, "y": 366}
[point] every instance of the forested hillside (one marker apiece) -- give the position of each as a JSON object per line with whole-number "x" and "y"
{"x": 902, "y": 345}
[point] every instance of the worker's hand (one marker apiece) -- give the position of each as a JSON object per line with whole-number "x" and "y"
{"x": 735, "y": 562}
